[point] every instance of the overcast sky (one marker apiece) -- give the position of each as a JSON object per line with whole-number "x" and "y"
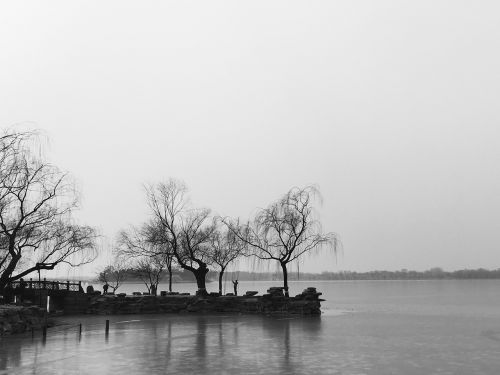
{"x": 391, "y": 107}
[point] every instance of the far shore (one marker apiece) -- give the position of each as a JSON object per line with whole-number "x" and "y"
{"x": 432, "y": 274}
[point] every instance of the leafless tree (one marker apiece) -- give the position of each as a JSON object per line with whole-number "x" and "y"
{"x": 286, "y": 230}
{"x": 226, "y": 248}
{"x": 114, "y": 274}
{"x": 146, "y": 242}
{"x": 187, "y": 230}
{"x": 150, "y": 271}
{"x": 36, "y": 204}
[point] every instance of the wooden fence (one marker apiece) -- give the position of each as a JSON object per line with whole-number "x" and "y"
{"x": 49, "y": 285}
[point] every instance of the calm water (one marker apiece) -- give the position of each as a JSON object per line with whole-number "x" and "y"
{"x": 368, "y": 327}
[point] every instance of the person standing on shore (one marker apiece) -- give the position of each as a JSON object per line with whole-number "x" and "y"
{"x": 235, "y": 286}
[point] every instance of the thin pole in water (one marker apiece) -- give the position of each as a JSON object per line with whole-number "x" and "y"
{"x": 107, "y": 327}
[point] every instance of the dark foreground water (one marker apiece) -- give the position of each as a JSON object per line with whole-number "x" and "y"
{"x": 368, "y": 327}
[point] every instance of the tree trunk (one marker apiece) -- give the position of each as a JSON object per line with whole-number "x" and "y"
{"x": 285, "y": 279}
{"x": 169, "y": 267}
{"x": 200, "y": 275}
{"x": 220, "y": 280}
{"x": 6, "y": 276}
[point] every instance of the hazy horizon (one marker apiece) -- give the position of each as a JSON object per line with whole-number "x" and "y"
{"x": 391, "y": 108}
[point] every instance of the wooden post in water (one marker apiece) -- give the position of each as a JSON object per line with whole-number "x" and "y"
{"x": 107, "y": 327}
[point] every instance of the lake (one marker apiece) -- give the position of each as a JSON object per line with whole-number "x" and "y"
{"x": 367, "y": 327}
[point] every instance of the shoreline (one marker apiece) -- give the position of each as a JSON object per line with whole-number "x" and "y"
{"x": 272, "y": 303}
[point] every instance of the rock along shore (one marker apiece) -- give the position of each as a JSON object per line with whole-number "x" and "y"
{"x": 273, "y": 302}
{"x": 18, "y": 319}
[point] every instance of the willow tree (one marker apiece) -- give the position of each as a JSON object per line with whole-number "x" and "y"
{"x": 37, "y": 231}
{"x": 286, "y": 230}
{"x": 187, "y": 230}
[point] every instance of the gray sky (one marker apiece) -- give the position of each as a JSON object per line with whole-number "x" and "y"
{"x": 391, "y": 107}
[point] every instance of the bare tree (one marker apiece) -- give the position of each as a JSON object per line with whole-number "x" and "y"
{"x": 150, "y": 271}
{"x": 286, "y": 230}
{"x": 146, "y": 242}
{"x": 114, "y": 274}
{"x": 36, "y": 204}
{"x": 187, "y": 230}
{"x": 226, "y": 247}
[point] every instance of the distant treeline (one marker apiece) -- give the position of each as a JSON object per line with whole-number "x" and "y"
{"x": 432, "y": 274}
{"x": 131, "y": 274}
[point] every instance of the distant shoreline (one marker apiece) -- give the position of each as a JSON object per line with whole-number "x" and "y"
{"x": 432, "y": 274}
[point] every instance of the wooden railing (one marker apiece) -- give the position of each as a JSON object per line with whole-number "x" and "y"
{"x": 49, "y": 285}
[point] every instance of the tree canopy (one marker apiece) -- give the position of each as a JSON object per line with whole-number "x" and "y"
{"x": 286, "y": 230}
{"x": 37, "y": 200}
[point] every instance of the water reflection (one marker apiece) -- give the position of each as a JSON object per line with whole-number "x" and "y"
{"x": 200, "y": 347}
{"x": 11, "y": 354}
{"x": 191, "y": 344}
{"x": 288, "y": 337}
{"x": 167, "y": 343}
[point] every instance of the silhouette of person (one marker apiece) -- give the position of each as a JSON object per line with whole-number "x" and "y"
{"x": 235, "y": 286}
{"x": 105, "y": 288}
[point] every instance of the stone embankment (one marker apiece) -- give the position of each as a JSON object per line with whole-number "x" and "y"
{"x": 273, "y": 302}
{"x": 18, "y": 319}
